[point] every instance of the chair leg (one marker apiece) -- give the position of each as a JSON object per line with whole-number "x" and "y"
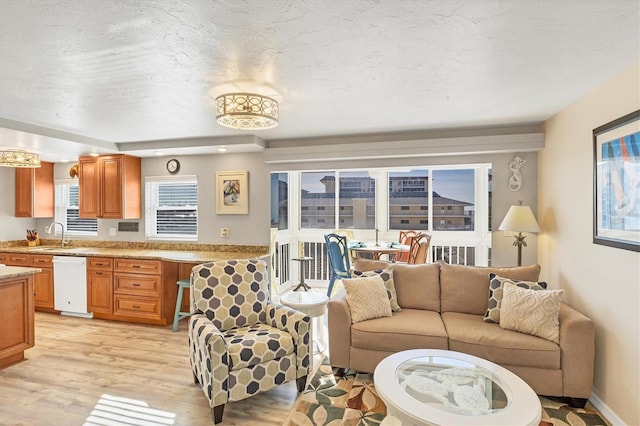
{"x": 195, "y": 379}
{"x": 216, "y": 413}
{"x": 301, "y": 382}
{"x": 331, "y": 282}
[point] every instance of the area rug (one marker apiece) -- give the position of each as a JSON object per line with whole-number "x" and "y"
{"x": 352, "y": 400}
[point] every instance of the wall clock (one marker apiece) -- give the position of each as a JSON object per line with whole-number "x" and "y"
{"x": 173, "y": 166}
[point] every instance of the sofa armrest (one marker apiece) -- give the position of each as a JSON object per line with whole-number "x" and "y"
{"x": 208, "y": 350}
{"x": 577, "y": 349}
{"x": 339, "y": 330}
{"x": 298, "y": 326}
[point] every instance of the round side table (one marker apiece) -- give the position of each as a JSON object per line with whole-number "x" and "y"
{"x": 310, "y": 303}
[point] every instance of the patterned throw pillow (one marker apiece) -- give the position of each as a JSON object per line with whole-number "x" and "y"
{"x": 496, "y": 284}
{"x": 367, "y": 298}
{"x": 531, "y": 311}
{"x": 387, "y": 277}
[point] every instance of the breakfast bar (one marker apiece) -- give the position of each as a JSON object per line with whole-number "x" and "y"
{"x": 16, "y": 313}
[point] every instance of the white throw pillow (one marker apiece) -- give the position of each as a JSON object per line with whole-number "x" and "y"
{"x": 367, "y": 298}
{"x": 531, "y": 311}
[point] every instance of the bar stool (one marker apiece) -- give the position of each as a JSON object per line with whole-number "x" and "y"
{"x": 182, "y": 284}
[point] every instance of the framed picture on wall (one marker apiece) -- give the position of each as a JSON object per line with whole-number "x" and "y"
{"x": 616, "y": 177}
{"x": 232, "y": 192}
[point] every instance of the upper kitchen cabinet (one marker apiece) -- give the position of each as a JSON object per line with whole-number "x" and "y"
{"x": 110, "y": 187}
{"x": 34, "y": 191}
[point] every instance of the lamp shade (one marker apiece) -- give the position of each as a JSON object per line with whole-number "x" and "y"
{"x": 519, "y": 219}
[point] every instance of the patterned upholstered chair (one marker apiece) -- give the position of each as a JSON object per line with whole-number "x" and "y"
{"x": 241, "y": 344}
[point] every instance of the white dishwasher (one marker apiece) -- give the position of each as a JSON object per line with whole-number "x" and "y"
{"x": 70, "y": 286}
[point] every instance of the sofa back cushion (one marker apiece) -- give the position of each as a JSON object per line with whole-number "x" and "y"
{"x": 418, "y": 286}
{"x": 465, "y": 289}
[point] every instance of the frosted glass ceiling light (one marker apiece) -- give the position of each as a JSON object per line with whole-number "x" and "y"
{"x": 246, "y": 111}
{"x": 18, "y": 158}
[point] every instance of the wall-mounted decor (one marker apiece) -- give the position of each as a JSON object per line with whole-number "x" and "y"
{"x": 232, "y": 192}
{"x": 616, "y": 178}
{"x": 515, "y": 176}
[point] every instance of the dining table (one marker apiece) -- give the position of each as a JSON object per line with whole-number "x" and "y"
{"x": 376, "y": 250}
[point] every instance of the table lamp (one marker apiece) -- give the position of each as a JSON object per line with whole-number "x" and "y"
{"x": 519, "y": 219}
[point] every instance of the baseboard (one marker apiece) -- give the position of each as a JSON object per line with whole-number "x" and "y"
{"x": 604, "y": 409}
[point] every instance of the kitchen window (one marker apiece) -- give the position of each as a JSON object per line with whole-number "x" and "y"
{"x": 171, "y": 208}
{"x": 66, "y": 210}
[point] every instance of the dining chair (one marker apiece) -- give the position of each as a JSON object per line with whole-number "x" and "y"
{"x": 423, "y": 252}
{"x": 418, "y": 252}
{"x": 350, "y": 237}
{"x": 339, "y": 265}
{"x": 404, "y": 239}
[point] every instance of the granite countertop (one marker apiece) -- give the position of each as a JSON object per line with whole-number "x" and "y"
{"x": 16, "y": 271}
{"x": 182, "y": 255}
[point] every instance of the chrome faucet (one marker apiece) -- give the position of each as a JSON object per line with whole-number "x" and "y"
{"x": 51, "y": 227}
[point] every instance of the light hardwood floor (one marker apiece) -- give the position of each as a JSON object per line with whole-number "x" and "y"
{"x": 75, "y": 361}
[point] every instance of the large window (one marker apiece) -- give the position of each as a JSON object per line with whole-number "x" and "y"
{"x": 171, "y": 207}
{"x": 66, "y": 211}
{"x": 280, "y": 201}
{"x": 318, "y": 198}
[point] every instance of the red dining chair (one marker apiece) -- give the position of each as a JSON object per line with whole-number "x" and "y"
{"x": 404, "y": 239}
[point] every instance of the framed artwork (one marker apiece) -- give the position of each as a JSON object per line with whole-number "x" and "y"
{"x": 616, "y": 177}
{"x": 232, "y": 192}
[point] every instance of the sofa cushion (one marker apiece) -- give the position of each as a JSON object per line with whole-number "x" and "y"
{"x": 532, "y": 312}
{"x": 367, "y": 298}
{"x": 418, "y": 286}
{"x": 470, "y": 334}
{"x": 387, "y": 276}
{"x": 465, "y": 289}
{"x": 407, "y": 329}
{"x": 256, "y": 344}
{"x": 496, "y": 284}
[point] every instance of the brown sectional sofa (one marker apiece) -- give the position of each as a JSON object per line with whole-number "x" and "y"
{"x": 442, "y": 308}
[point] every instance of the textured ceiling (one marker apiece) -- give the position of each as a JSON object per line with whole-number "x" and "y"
{"x": 106, "y": 73}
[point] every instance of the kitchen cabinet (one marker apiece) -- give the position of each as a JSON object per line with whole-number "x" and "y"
{"x": 110, "y": 187}
{"x": 43, "y": 282}
{"x": 16, "y": 318}
{"x": 141, "y": 290}
{"x": 100, "y": 286}
{"x": 34, "y": 191}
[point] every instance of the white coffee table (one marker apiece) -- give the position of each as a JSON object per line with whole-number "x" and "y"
{"x": 440, "y": 387}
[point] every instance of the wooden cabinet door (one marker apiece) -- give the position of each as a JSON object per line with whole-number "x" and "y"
{"x": 43, "y": 288}
{"x": 16, "y": 318}
{"x": 34, "y": 191}
{"x": 111, "y": 177}
{"x": 88, "y": 188}
{"x": 24, "y": 192}
{"x": 100, "y": 291}
{"x": 43, "y": 199}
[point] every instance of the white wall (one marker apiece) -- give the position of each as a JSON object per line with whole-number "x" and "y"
{"x": 602, "y": 282}
{"x": 11, "y": 227}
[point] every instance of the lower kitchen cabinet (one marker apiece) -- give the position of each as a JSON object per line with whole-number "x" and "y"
{"x": 43, "y": 282}
{"x": 100, "y": 286}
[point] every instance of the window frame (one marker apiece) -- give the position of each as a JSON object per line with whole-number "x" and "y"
{"x": 151, "y": 209}
{"x": 61, "y": 195}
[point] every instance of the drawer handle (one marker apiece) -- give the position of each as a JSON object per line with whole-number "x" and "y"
{"x": 98, "y": 273}
{"x": 135, "y": 284}
{"x": 135, "y": 306}
{"x": 135, "y": 266}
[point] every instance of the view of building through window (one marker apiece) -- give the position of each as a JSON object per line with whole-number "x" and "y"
{"x": 414, "y": 198}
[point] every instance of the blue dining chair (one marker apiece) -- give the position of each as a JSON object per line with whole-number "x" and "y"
{"x": 338, "y": 253}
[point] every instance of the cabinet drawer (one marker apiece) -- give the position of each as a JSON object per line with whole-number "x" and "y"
{"x": 143, "y": 285}
{"x": 100, "y": 263}
{"x": 16, "y": 259}
{"x": 138, "y": 266}
{"x": 143, "y": 307}
{"x": 4, "y": 258}
{"x": 41, "y": 260}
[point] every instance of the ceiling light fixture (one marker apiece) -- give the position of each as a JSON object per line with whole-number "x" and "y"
{"x": 18, "y": 158}
{"x": 246, "y": 111}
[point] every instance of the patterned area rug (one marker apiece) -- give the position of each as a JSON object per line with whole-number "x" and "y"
{"x": 352, "y": 400}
